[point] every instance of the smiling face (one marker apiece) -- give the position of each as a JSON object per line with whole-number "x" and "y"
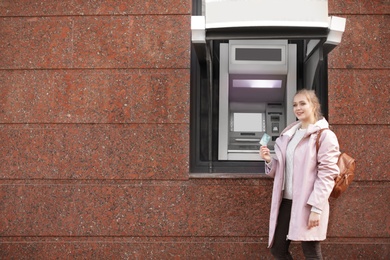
{"x": 304, "y": 110}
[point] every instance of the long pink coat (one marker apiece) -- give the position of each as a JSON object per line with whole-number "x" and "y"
{"x": 312, "y": 182}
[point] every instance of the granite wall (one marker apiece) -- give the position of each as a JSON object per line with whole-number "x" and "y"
{"x": 94, "y": 138}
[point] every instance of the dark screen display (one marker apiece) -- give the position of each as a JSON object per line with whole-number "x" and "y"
{"x": 258, "y": 54}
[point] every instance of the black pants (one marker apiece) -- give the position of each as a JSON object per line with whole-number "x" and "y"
{"x": 280, "y": 247}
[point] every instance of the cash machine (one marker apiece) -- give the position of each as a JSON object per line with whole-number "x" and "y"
{"x": 256, "y": 87}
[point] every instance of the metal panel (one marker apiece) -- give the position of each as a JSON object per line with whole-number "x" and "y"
{"x": 223, "y": 102}
{"x": 249, "y": 13}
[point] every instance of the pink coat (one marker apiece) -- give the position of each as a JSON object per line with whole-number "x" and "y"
{"x": 312, "y": 183}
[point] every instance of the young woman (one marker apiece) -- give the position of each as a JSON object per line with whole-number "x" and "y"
{"x": 303, "y": 180}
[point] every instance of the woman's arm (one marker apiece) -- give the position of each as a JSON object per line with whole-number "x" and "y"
{"x": 327, "y": 170}
{"x": 269, "y": 161}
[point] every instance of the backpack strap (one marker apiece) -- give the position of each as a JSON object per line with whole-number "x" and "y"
{"x": 318, "y": 138}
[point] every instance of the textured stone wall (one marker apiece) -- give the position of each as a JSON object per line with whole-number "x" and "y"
{"x": 94, "y": 138}
{"x": 359, "y": 111}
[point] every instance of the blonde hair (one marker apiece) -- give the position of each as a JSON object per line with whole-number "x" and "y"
{"x": 313, "y": 99}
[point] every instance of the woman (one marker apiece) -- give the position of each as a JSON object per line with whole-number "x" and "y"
{"x": 303, "y": 180}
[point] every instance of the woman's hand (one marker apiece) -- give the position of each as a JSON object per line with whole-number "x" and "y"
{"x": 314, "y": 220}
{"x": 265, "y": 153}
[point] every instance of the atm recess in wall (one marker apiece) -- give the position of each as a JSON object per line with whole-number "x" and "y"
{"x": 257, "y": 78}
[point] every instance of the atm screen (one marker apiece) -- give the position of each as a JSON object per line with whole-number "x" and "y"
{"x": 248, "y": 122}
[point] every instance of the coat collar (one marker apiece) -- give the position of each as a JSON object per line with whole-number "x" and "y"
{"x": 312, "y": 128}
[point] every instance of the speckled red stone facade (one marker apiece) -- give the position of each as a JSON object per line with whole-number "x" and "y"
{"x": 94, "y": 132}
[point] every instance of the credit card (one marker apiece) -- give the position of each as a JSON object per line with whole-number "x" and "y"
{"x": 265, "y": 139}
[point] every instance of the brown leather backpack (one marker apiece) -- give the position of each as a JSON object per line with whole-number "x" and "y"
{"x": 346, "y": 165}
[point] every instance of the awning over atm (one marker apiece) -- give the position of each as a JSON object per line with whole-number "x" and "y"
{"x": 272, "y": 19}
{"x": 264, "y": 13}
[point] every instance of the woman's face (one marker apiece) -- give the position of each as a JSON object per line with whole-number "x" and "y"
{"x": 303, "y": 109}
